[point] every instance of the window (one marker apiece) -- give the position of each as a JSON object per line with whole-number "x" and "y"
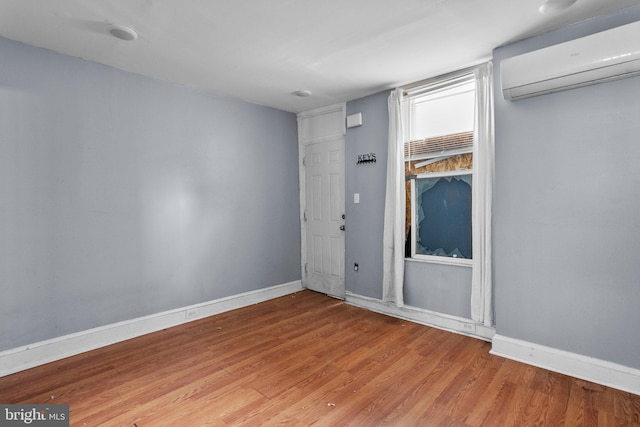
{"x": 438, "y": 170}
{"x": 442, "y": 212}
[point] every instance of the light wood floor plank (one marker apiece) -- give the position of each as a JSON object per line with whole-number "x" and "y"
{"x": 307, "y": 359}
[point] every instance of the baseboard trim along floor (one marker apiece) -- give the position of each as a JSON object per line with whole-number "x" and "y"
{"x": 446, "y": 322}
{"x": 576, "y": 365}
{"x": 29, "y": 356}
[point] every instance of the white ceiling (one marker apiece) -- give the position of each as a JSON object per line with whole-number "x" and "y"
{"x": 263, "y": 50}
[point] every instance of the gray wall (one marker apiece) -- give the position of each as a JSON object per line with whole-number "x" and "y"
{"x": 123, "y": 196}
{"x": 437, "y": 287}
{"x": 441, "y": 288}
{"x": 567, "y": 203}
{"x": 364, "y": 221}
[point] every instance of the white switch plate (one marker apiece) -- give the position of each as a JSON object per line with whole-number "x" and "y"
{"x": 356, "y": 198}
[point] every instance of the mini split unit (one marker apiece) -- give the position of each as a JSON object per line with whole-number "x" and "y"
{"x": 601, "y": 57}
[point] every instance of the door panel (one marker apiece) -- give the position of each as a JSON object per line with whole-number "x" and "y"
{"x": 324, "y": 177}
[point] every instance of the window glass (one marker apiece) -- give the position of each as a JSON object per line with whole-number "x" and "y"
{"x": 443, "y": 112}
{"x": 443, "y": 216}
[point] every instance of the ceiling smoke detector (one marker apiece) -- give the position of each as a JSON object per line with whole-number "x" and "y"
{"x": 555, "y": 6}
{"x": 123, "y": 33}
{"x": 302, "y": 93}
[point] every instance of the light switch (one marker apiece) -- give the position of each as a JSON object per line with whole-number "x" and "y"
{"x": 356, "y": 198}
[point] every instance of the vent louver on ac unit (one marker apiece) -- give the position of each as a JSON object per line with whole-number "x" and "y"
{"x": 608, "y": 55}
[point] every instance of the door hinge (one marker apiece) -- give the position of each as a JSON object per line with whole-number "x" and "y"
{"x": 304, "y": 215}
{"x": 306, "y": 268}
{"x": 304, "y": 161}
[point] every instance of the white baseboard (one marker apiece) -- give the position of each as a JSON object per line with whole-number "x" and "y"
{"x": 576, "y": 365}
{"x": 446, "y": 322}
{"x": 29, "y": 356}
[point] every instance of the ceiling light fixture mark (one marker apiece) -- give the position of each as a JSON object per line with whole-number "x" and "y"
{"x": 555, "y": 6}
{"x": 302, "y": 93}
{"x": 123, "y": 33}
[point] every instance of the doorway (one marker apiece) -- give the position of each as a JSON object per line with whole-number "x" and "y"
{"x": 321, "y": 146}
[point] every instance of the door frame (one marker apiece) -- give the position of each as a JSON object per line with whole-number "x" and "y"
{"x": 330, "y": 125}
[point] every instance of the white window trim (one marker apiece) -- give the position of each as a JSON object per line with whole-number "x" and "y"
{"x": 434, "y": 158}
{"x": 433, "y": 259}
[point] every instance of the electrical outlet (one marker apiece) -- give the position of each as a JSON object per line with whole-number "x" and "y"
{"x": 355, "y": 266}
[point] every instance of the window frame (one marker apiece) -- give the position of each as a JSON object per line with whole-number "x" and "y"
{"x": 419, "y": 89}
{"x": 467, "y": 262}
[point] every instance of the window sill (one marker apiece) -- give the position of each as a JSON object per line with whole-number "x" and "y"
{"x": 441, "y": 260}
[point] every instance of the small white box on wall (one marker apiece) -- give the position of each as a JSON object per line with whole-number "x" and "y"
{"x": 354, "y": 120}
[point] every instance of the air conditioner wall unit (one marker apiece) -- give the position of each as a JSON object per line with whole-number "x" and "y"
{"x": 605, "y": 56}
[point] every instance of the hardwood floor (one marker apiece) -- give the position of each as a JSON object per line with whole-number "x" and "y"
{"x": 307, "y": 359}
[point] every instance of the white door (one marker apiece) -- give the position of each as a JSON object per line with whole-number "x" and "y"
{"x": 321, "y": 148}
{"x": 324, "y": 182}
